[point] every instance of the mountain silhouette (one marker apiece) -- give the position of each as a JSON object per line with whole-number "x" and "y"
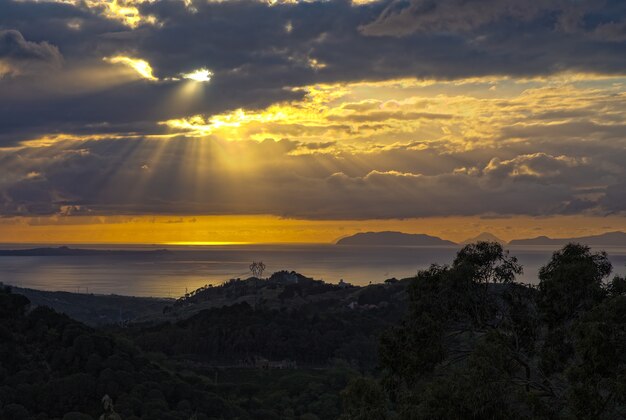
{"x": 484, "y": 237}
{"x": 605, "y": 239}
{"x": 393, "y": 239}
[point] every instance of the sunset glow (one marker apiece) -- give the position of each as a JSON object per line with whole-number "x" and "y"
{"x": 246, "y": 230}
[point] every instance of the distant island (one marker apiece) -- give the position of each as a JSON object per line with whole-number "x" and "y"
{"x": 389, "y": 238}
{"x": 605, "y": 239}
{"x": 393, "y": 239}
{"x": 64, "y": 251}
{"x": 385, "y": 238}
{"x": 484, "y": 237}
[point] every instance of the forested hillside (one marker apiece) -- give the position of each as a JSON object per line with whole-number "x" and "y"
{"x": 54, "y": 367}
{"x": 286, "y": 317}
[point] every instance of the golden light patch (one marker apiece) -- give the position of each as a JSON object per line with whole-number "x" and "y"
{"x": 5, "y": 69}
{"x": 205, "y": 243}
{"x": 200, "y": 75}
{"x": 142, "y": 67}
{"x": 316, "y": 64}
{"x": 362, "y": 2}
{"x": 124, "y": 11}
{"x": 128, "y": 12}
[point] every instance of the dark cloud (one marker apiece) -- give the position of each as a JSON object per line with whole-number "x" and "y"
{"x": 18, "y": 56}
{"x": 600, "y": 19}
{"x": 612, "y": 31}
{"x": 14, "y": 46}
{"x": 615, "y": 199}
{"x": 401, "y": 18}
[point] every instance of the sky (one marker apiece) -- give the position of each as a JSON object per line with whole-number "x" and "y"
{"x": 223, "y": 121}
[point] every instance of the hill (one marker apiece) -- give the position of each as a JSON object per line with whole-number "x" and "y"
{"x": 94, "y": 309}
{"x": 53, "y": 367}
{"x": 282, "y": 289}
{"x": 483, "y": 237}
{"x": 617, "y": 239}
{"x": 393, "y": 239}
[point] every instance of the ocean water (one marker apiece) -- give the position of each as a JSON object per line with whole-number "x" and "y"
{"x": 189, "y": 267}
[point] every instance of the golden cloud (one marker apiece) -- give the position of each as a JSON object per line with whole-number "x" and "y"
{"x": 462, "y": 114}
{"x": 142, "y": 67}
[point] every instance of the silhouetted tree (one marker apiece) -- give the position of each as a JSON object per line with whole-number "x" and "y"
{"x": 555, "y": 351}
{"x": 486, "y": 263}
{"x": 571, "y": 282}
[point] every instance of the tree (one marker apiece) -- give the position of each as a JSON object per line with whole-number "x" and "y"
{"x": 474, "y": 272}
{"x": 571, "y": 282}
{"x": 617, "y": 286}
{"x": 597, "y": 377}
{"x": 486, "y": 263}
{"x": 416, "y": 346}
{"x": 257, "y": 268}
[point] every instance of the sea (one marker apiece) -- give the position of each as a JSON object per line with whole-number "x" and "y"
{"x": 186, "y": 268}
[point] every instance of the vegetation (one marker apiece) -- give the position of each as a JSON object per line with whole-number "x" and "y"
{"x": 54, "y": 367}
{"x": 239, "y": 334}
{"x": 555, "y": 351}
{"x": 457, "y": 341}
{"x": 279, "y": 288}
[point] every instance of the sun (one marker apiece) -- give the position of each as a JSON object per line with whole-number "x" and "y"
{"x": 200, "y": 75}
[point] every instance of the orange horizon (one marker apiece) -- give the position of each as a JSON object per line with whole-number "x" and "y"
{"x": 265, "y": 229}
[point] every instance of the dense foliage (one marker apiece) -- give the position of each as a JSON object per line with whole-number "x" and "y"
{"x": 476, "y": 345}
{"x": 239, "y": 334}
{"x": 52, "y": 366}
{"x": 287, "y": 284}
{"x": 286, "y": 317}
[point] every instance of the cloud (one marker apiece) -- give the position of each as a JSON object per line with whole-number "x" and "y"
{"x": 19, "y": 56}
{"x": 615, "y": 199}
{"x": 392, "y": 149}
{"x": 480, "y": 19}
{"x": 328, "y": 44}
{"x": 611, "y": 31}
{"x": 367, "y": 109}
{"x": 193, "y": 176}
{"x": 142, "y": 67}
{"x": 537, "y": 165}
{"x": 125, "y": 12}
{"x": 402, "y": 18}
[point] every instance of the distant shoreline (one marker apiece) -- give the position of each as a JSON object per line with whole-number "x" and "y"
{"x": 121, "y": 250}
{"x": 64, "y": 251}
